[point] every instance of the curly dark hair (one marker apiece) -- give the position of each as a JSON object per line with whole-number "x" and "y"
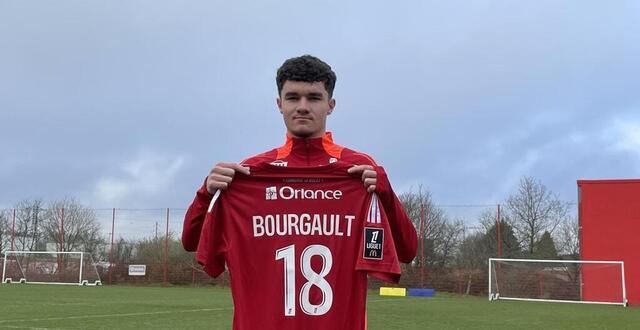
{"x": 306, "y": 68}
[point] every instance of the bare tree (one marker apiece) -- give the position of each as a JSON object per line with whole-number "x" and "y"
{"x": 447, "y": 245}
{"x": 441, "y": 234}
{"x": 28, "y": 232}
{"x": 568, "y": 238}
{"x": 532, "y": 210}
{"x": 473, "y": 252}
{"x": 73, "y": 227}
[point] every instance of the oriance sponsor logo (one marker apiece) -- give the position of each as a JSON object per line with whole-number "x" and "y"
{"x": 287, "y": 192}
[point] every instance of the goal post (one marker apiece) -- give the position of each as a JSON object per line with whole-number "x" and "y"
{"x": 565, "y": 281}
{"x": 49, "y": 267}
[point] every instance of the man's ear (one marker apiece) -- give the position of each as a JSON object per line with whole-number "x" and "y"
{"x": 279, "y": 103}
{"x": 332, "y": 105}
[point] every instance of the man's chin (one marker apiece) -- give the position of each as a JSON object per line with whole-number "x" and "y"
{"x": 303, "y": 133}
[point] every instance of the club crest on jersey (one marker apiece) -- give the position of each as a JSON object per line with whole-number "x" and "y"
{"x": 373, "y": 243}
{"x": 271, "y": 193}
{"x": 332, "y": 160}
{"x": 279, "y": 162}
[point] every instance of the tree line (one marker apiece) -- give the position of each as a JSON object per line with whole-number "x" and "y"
{"x": 63, "y": 225}
{"x": 68, "y": 225}
{"x": 533, "y": 223}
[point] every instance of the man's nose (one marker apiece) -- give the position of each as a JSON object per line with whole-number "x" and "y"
{"x": 303, "y": 105}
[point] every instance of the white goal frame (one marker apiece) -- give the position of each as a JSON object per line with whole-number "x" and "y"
{"x": 497, "y": 296}
{"x": 24, "y": 279}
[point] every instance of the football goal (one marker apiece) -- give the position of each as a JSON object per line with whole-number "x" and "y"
{"x": 49, "y": 267}
{"x": 567, "y": 281}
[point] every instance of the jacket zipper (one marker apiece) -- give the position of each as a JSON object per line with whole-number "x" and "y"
{"x": 306, "y": 149}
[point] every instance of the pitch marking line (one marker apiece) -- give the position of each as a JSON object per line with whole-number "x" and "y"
{"x": 30, "y": 328}
{"x": 80, "y": 317}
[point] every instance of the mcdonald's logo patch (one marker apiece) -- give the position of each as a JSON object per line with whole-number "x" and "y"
{"x": 373, "y": 243}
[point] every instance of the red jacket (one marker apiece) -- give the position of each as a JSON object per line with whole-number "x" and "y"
{"x": 314, "y": 152}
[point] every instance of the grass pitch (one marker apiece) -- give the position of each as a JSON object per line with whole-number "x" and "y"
{"x": 128, "y": 307}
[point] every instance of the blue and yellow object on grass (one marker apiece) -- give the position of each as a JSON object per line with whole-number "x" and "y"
{"x": 402, "y": 292}
{"x": 398, "y": 292}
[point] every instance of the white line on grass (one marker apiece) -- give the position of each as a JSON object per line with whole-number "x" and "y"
{"x": 79, "y": 317}
{"x": 30, "y": 328}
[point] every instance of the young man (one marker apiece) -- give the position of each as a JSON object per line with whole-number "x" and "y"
{"x": 308, "y": 213}
{"x": 305, "y": 99}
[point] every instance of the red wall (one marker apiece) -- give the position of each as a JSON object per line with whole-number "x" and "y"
{"x": 609, "y": 217}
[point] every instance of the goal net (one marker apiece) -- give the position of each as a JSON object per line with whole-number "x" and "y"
{"x": 572, "y": 281}
{"x": 49, "y": 267}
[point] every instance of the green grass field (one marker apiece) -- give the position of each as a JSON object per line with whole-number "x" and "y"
{"x": 128, "y": 307}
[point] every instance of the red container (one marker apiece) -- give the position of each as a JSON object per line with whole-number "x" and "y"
{"x": 609, "y": 219}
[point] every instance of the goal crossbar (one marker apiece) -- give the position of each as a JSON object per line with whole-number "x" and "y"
{"x": 497, "y": 296}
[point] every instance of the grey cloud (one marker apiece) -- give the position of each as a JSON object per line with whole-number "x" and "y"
{"x": 464, "y": 97}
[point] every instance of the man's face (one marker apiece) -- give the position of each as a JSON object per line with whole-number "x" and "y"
{"x": 305, "y": 107}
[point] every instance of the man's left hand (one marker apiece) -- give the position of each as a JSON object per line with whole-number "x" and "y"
{"x": 369, "y": 176}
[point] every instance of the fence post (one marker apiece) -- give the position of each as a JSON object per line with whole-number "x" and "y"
{"x": 13, "y": 230}
{"x": 498, "y": 233}
{"x": 113, "y": 225}
{"x": 193, "y": 273}
{"x": 62, "y": 230}
{"x": 60, "y": 271}
{"x": 422, "y": 231}
{"x": 166, "y": 251}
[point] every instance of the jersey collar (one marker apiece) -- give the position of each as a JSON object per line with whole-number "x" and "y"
{"x": 324, "y": 144}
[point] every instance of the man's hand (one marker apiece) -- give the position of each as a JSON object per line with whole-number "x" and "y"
{"x": 369, "y": 176}
{"x": 222, "y": 174}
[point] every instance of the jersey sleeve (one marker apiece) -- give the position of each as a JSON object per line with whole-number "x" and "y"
{"x": 377, "y": 254}
{"x": 212, "y": 245}
{"x": 194, "y": 218}
{"x": 402, "y": 229}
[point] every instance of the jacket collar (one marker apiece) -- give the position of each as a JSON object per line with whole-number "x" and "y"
{"x": 322, "y": 144}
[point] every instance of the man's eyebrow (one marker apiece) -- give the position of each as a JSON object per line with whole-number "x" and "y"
{"x": 291, "y": 94}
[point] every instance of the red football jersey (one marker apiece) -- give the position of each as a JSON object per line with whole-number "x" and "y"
{"x": 298, "y": 244}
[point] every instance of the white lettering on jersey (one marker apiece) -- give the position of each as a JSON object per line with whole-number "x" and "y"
{"x": 287, "y": 192}
{"x": 279, "y": 163}
{"x": 302, "y": 224}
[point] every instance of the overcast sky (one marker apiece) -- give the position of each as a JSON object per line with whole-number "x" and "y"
{"x": 128, "y": 104}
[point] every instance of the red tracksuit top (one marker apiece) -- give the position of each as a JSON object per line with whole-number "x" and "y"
{"x": 298, "y": 244}
{"x": 298, "y": 152}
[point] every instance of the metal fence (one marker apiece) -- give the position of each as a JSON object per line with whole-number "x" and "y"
{"x": 151, "y": 237}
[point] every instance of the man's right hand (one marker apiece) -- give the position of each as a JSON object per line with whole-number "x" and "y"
{"x": 222, "y": 174}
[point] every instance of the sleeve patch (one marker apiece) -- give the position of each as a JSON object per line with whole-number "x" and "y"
{"x": 373, "y": 243}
